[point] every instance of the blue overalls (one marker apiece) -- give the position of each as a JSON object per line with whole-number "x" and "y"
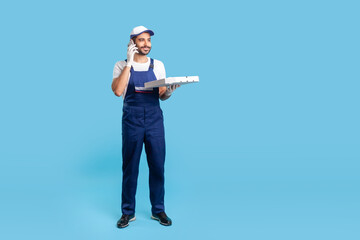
{"x": 142, "y": 122}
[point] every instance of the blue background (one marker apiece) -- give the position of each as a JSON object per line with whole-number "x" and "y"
{"x": 266, "y": 146}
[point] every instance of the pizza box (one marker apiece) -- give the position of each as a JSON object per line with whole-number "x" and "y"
{"x": 172, "y": 81}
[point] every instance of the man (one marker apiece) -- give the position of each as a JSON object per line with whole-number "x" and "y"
{"x": 142, "y": 123}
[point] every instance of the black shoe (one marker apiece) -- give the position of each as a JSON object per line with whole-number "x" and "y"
{"x": 124, "y": 220}
{"x": 162, "y": 218}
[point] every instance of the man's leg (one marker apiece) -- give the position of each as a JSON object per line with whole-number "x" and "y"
{"x": 155, "y": 152}
{"x": 133, "y": 139}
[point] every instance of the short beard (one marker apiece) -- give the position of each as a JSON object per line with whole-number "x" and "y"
{"x": 143, "y": 54}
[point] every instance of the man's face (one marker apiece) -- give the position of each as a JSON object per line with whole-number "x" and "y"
{"x": 143, "y": 43}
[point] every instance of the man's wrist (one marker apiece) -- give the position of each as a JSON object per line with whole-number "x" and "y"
{"x": 128, "y": 63}
{"x": 167, "y": 93}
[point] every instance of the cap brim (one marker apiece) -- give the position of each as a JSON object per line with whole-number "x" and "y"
{"x": 148, "y": 31}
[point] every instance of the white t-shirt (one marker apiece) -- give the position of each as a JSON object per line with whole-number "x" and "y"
{"x": 159, "y": 69}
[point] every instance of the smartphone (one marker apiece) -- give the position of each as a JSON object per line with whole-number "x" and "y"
{"x": 131, "y": 42}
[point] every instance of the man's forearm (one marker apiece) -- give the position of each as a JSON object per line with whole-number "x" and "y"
{"x": 119, "y": 84}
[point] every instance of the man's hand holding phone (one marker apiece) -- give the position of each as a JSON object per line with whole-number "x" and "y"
{"x": 132, "y": 49}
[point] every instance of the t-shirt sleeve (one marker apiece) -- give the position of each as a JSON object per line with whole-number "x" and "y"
{"x": 160, "y": 69}
{"x": 119, "y": 66}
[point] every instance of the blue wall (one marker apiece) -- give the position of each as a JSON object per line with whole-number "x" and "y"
{"x": 266, "y": 146}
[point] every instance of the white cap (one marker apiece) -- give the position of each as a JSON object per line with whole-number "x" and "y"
{"x": 139, "y": 30}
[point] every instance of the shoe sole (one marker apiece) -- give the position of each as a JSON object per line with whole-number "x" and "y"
{"x": 133, "y": 219}
{"x": 158, "y": 219}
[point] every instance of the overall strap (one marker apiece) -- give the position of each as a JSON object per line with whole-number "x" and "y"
{"x": 151, "y": 63}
